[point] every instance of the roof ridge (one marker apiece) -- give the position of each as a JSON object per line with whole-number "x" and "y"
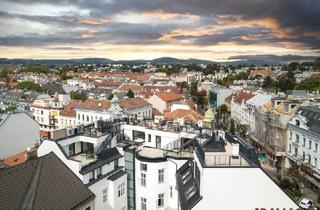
{"x": 32, "y": 189}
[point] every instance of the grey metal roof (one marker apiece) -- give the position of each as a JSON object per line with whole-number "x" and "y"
{"x": 42, "y": 183}
{"x": 312, "y": 113}
{"x": 117, "y": 175}
{"x": 105, "y": 157}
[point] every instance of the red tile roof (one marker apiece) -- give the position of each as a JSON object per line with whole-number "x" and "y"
{"x": 169, "y": 96}
{"x": 243, "y": 95}
{"x": 134, "y": 87}
{"x": 69, "y": 110}
{"x": 191, "y": 104}
{"x": 107, "y": 83}
{"x": 133, "y": 103}
{"x": 15, "y": 159}
{"x": 95, "y": 104}
{"x": 187, "y": 115}
{"x": 156, "y": 112}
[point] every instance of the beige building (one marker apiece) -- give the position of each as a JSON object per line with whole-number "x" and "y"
{"x": 165, "y": 100}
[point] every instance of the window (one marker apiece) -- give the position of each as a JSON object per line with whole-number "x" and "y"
{"x": 171, "y": 191}
{"x": 91, "y": 176}
{"x": 303, "y": 156}
{"x": 315, "y": 162}
{"x": 149, "y": 137}
{"x": 41, "y": 112}
{"x": 87, "y": 118}
{"x": 297, "y": 123}
{"x": 105, "y": 195}
{"x": 297, "y": 138}
{"x": 304, "y": 141}
{"x": 161, "y": 200}
{"x": 290, "y": 134}
{"x": 143, "y": 167}
{"x": 120, "y": 189}
{"x": 316, "y": 147}
{"x": 289, "y": 148}
{"x": 160, "y": 175}
{"x": 82, "y": 117}
{"x": 143, "y": 179}
{"x": 143, "y": 203}
{"x": 309, "y": 159}
{"x": 78, "y": 116}
{"x": 99, "y": 172}
{"x": 310, "y": 144}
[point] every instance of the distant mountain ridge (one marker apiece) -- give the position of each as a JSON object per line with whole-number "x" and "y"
{"x": 242, "y": 59}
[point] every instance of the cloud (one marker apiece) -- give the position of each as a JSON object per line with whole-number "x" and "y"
{"x": 286, "y": 24}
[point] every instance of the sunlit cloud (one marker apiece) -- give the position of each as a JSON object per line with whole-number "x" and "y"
{"x": 141, "y": 29}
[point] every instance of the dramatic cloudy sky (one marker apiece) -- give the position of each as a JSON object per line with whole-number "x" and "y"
{"x": 145, "y": 29}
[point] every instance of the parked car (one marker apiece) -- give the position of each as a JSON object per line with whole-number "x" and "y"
{"x": 305, "y": 203}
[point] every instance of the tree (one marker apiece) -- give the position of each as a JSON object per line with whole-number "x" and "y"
{"x": 267, "y": 82}
{"x": 311, "y": 84}
{"x": 11, "y": 108}
{"x": 201, "y": 99}
{"x": 29, "y": 85}
{"x": 232, "y": 127}
{"x": 110, "y": 96}
{"x": 130, "y": 94}
{"x": 37, "y": 69}
{"x": 78, "y": 96}
{"x": 286, "y": 81}
{"x": 193, "y": 88}
{"x": 63, "y": 76}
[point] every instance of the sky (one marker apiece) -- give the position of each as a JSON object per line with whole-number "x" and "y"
{"x": 147, "y": 29}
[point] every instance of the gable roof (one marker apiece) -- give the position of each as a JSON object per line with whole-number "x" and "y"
{"x": 169, "y": 96}
{"x": 133, "y": 103}
{"x": 69, "y": 111}
{"x": 243, "y": 95}
{"x": 188, "y": 115}
{"x": 42, "y": 183}
{"x": 95, "y": 104}
{"x": 136, "y": 88}
{"x": 312, "y": 113}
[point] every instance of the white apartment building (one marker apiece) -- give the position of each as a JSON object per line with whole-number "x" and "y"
{"x": 174, "y": 177}
{"x": 45, "y": 111}
{"x": 67, "y": 117}
{"x": 304, "y": 141}
{"x": 244, "y": 104}
{"x": 93, "y": 157}
{"x": 92, "y": 110}
{"x": 239, "y": 110}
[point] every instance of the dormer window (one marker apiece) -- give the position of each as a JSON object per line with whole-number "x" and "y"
{"x": 297, "y": 123}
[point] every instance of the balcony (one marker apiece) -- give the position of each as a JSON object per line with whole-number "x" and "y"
{"x": 84, "y": 158}
{"x": 153, "y": 153}
{"x": 225, "y": 160}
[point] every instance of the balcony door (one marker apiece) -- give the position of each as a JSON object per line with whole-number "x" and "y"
{"x": 158, "y": 142}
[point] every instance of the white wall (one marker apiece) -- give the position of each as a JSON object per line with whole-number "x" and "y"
{"x": 48, "y": 146}
{"x": 223, "y": 189}
{"x": 17, "y": 133}
{"x": 166, "y": 137}
{"x": 153, "y": 187}
{"x": 157, "y": 103}
{"x": 92, "y": 116}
